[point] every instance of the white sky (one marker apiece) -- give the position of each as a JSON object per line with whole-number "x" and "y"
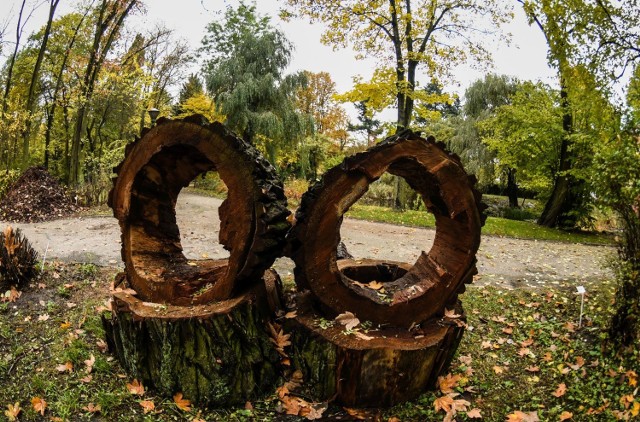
{"x": 524, "y": 59}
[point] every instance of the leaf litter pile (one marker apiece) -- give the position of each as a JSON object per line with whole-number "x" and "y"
{"x": 522, "y": 358}
{"x": 35, "y": 196}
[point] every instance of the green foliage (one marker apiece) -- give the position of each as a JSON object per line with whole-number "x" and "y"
{"x": 245, "y": 62}
{"x": 6, "y": 179}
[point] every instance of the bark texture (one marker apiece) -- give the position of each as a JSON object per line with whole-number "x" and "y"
{"x": 253, "y": 217}
{"x": 414, "y": 293}
{"x": 215, "y": 354}
{"x": 393, "y": 366}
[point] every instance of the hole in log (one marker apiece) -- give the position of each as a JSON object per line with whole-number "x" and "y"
{"x": 436, "y": 276}
{"x": 198, "y": 218}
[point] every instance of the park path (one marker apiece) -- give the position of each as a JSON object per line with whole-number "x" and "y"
{"x": 502, "y": 261}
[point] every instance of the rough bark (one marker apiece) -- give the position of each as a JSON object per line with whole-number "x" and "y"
{"x": 437, "y": 276}
{"x": 512, "y": 188}
{"x": 394, "y": 365}
{"x": 216, "y": 354}
{"x": 253, "y": 217}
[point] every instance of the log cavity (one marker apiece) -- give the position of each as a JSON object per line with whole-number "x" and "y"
{"x": 252, "y": 217}
{"x": 412, "y": 293}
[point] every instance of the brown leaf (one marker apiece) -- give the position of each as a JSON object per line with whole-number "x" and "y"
{"x": 448, "y": 383}
{"x": 474, "y": 414}
{"x": 465, "y": 359}
{"x": 519, "y": 416}
{"x": 532, "y": 369}
{"x": 39, "y": 405}
{"x": 561, "y": 390}
{"x": 524, "y": 351}
{"x": 362, "y": 336}
{"x": 65, "y": 367}
{"x": 147, "y": 406}
{"x": 507, "y": 330}
{"x": 91, "y": 408}
{"x": 527, "y": 342}
{"x": 348, "y": 319}
{"x": 89, "y": 363}
{"x": 451, "y": 313}
{"x": 279, "y": 338}
{"x": 13, "y": 410}
{"x": 632, "y": 377}
{"x": 359, "y": 414}
{"x": 564, "y": 416}
{"x": 291, "y": 314}
{"x": 135, "y": 387}
{"x": 579, "y": 363}
{"x": 87, "y": 379}
{"x": 375, "y": 285}
{"x": 443, "y": 403}
{"x": 498, "y": 369}
{"x": 182, "y": 403}
{"x": 102, "y": 345}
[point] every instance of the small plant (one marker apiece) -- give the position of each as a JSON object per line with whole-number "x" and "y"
{"x": 18, "y": 260}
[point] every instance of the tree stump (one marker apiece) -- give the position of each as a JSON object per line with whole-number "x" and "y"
{"x": 377, "y": 368}
{"x": 218, "y": 354}
{"x": 362, "y": 371}
{"x": 197, "y": 327}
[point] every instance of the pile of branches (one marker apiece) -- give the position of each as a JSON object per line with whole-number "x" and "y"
{"x": 18, "y": 260}
{"x": 36, "y": 196}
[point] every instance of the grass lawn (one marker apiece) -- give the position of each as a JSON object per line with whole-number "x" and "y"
{"x": 522, "y": 352}
{"x": 494, "y": 226}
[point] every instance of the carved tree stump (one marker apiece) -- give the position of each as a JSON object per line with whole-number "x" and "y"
{"x": 360, "y": 371}
{"x": 198, "y": 327}
{"x": 252, "y": 218}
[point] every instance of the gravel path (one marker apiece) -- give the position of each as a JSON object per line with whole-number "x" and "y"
{"x": 505, "y": 262}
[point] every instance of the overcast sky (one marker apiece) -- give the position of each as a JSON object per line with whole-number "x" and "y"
{"x": 524, "y": 59}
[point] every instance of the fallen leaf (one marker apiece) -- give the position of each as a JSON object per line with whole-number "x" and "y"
{"x": 348, "y": 319}
{"x": 279, "y": 338}
{"x": 375, "y": 285}
{"x": 92, "y": 408}
{"x": 65, "y": 367}
{"x": 451, "y": 313}
{"x": 291, "y": 314}
{"x": 564, "y": 416}
{"x": 39, "y": 405}
{"x": 561, "y": 390}
{"x": 474, "y": 414}
{"x": 359, "y": 414}
{"x": 579, "y": 363}
{"x": 448, "y": 383}
{"x": 632, "y": 376}
{"x": 102, "y": 345}
{"x": 43, "y": 317}
{"x": 89, "y": 363}
{"x": 147, "y": 406}
{"x": 87, "y": 379}
{"x": 362, "y": 336}
{"x": 136, "y": 387}
{"x": 13, "y": 410}
{"x": 532, "y": 369}
{"x": 465, "y": 359}
{"x": 527, "y": 342}
{"x": 182, "y": 403}
{"x": 507, "y": 330}
{"x": 519, "y": 416}
{"x": 443, "y": 403}
{"x": 498, "y": 369}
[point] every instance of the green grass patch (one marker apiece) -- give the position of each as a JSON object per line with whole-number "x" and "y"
{"x": 494, "y": 226}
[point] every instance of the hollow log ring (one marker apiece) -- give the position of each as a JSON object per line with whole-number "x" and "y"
{"x": 252, "y": 218}
{"x": 414, "y": 293}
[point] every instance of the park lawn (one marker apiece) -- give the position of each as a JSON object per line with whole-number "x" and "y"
{"x": 494, "y": 226}
{"x": 521, "y": 346}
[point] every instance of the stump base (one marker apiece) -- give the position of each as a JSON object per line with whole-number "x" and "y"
{"x": 386, "y": 367}
{"x": 215, "y": 354}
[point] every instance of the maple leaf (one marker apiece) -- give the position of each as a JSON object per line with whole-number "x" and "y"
{"x": 136, "y": 387}
{"x": 359, "y": 414}
{"x": 465, "y": 359}
{"x": 448, "y": 383}
{"x": 92, "y": 408}
{"x": 102, "y": 345}
{"x": 632, "y": 376}
{"x": 43, "y": 317}
{"x": 524, "y": 351}
{"x": 532, "y": 369}
{"x": 313, "y": 411}
{"x": 474, "y": 414}
{"x": 291, "y": 314}
{"x": 14, "y": 294}
{"x": 89, "y": 363}
{"x": 527, "y": 342}
{"x": 39, "y": 405}
{"x": 375, "y": 285}
{"x": 519, "y": 416}
{"x": 147, "y": 406}
{"x": 279, "y": 339}
{"x": 348, "y": 319}
{"x": 564, "y": 416}
{"x": 561, "y": 390}
{"x": 182, "y": 403}
{"x": 292, "y": 405}
{"x": 547, "y": 357}
{"x": 498, "y": 369}
{"x": 443, "y": 403}
{"x": 451, "y": 313}
{"x": 13, "y": 410}
{"x": 486, "y": 344}
{"x": 507, "y": 330}
{"x": 579, "y": 363}
{"x": 65, "y": 367}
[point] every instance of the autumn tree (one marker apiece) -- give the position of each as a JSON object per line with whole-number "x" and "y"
{"x": 405, "y": 35}
{"x": 245, "y": 59}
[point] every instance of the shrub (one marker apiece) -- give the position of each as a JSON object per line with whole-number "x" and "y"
{"x": 17, "y": 259}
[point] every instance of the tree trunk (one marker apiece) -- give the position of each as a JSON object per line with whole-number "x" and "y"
{"x": 30, "y": 105}
{"x": 379, "y": 368}
{"x": 12, "y": 61}
{"x": 217, "y": 354}
{"x": 512, "y": 188}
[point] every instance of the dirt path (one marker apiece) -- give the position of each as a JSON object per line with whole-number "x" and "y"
{"x": 502, "y": 261}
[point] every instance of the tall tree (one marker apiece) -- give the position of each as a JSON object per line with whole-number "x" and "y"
{"x": 366, "y": 123}
{"x": 404, "y": 34}
{"x": 31, "y": 96}
{"x": 245, "y": 62}
{"x": 109, "y": 18}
